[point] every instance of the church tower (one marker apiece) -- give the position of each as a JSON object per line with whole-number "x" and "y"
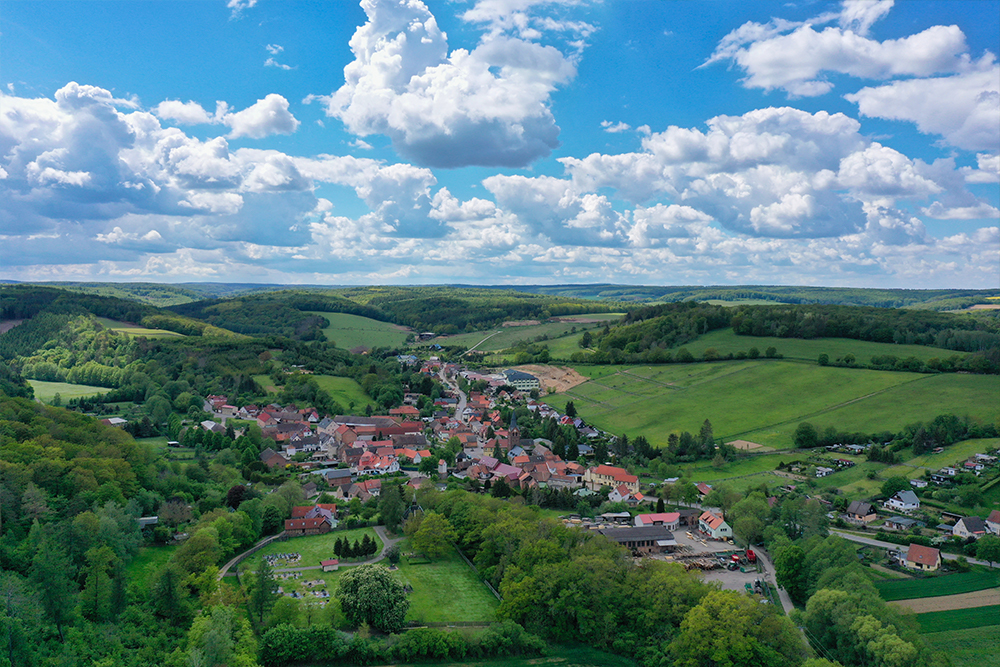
{"x": 513, "y": 433}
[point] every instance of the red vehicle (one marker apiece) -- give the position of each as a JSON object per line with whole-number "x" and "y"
{"x": 751, "y": 556}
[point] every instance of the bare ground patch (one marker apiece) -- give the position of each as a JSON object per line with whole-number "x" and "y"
{"x": 557, "y": 378}
{"x": 984, "y": 598}
{"x": 747, "y": 446}
{"x": 521, "y": 323}
{"x": 7, "y": 325}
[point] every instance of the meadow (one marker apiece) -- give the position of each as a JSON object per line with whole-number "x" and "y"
{"x": 46, "y": 391}
{"x": 345, "y": 391}
{"x": 958, "y": 619}
{"x": 147, "y": 563}
{"x": 507, "y": 337}
{"x": 951, "y": 584}
{"x": 351, "y": 331}
{"x": 973, "y": 647}
{"x": 136, "y": 330}
{"x": 765, "y": 400}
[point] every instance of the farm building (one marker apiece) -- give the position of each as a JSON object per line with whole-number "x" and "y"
{"x": 642, "y": 539}
{"x": 923, "y": 558}
{"x": 669, "y": 520}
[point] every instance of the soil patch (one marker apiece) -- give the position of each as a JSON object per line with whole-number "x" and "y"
{"x": 747, "y": 446}
{"x": 984, "y": 598}
{"x": 7, "y": 325}
{"x": 521, "y": 323}
{"x": 556, "y": 378}
{"x": 985, "y": 306}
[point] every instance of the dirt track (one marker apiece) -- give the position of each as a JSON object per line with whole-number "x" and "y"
{"x": 988, "y": 597}
{"x": 555, "y": 377}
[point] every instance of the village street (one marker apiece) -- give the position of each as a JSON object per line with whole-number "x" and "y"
{"x": 896, "y": 547}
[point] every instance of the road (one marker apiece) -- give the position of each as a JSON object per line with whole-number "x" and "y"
{"x": 769, "y": 575}
{"x": 462, "y": 399}
{"x": 895, "y": 547}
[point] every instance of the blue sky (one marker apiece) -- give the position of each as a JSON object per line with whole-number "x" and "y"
{"x": 501, "y": 141}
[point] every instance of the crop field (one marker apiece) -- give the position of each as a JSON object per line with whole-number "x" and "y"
{"x": 950, "y": 584}
{"x": 46, "y": 391}
{"x": 973, "y": 647}
{"x": 345, "y": 391}
{"x": 763, "y": 401}
{"x": 959, "y": 619}
{"x": 725, "y": 341}
{"x": 136, "y": 330}
{"x": 502, "y": 338}
{"x": 350, "y": 331}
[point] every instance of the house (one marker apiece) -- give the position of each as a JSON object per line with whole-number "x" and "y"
{"x": 605, "y": 475}
{"x": 669, "y": 520}
{"x": 861, "y": 512}
{"x": 951, "y": 472}
{"x": 714, "y": 525}
{"x": 939, "y": 479}
{"x": 902, "y": 523}
{"x": 923, "y": 558}
{"x": 520, "y": 380}
{"x": 993, "y": 522}
{"x": 903, "y": 501}
{"x": 703, "y": 489}
{"x": 641, "y": 539}
{"x": 117, "y": 422}
{"x": 623, "y": 494}
{"x": 918, "y": 483}
{"x": 970, "y": 526}
{"x": 823, "y": 472}
{"x": 273, "y": 459}
{"x": 315, "y": 526}
{"x": 330, "y": 565}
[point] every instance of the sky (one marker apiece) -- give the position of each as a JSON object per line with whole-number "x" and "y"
{"x": 693, "y": 142}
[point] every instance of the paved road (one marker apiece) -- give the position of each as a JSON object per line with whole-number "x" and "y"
{"x": 895, "y": 547}
{"x": 462, "y": 399}
{"x": 769, "y": 575}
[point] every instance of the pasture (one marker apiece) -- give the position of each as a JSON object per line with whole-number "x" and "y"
{"x": 725, "y": 341}
{"x": 350, "y": 331}
{"x": 345, "y": 391}
{"x": 46, "y": 391}
{"x": 502, "y": 338}
{"x": 972, "y": 647}
{"x": 764, "y": 401}
{"x": 135, "y": 330}
{"x": 950, "y": 584}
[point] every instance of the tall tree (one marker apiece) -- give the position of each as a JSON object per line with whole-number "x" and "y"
{"x": 370, "y": 594}
{"x": 52, "y": 573}
{"x": 435, "y": 535}
{"x": 264, "y": 589}
{"x": 95, "y": 598}
{"x": 390, "y": 506}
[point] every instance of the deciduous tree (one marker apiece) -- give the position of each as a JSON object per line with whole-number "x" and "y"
{"x": 370, "y": 594}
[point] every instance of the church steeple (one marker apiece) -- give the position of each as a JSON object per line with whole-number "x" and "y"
{"x": 513, "y": 433}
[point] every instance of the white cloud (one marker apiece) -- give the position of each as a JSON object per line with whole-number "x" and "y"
{"x": 266, "y": 117}
{"x": 184, "y": 113}
{"x": 274, "y": 49}
{"x": 238, "y": 6}
{"x": 962, "y": 108}
{"x": 615, "y": 128}
{"x": 485, "y": 107}
{"x": 988, "y": 171}
{"x": 794, "y": 56}
{"x": 271, "y": 62}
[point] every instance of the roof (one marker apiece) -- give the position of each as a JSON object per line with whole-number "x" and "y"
{"x": 514, "y": 375}
{"x": 860, "y": 508}
{"x": 619, "y": 474}
{"x": 923, "y": 555}
{"x": 711, "y": 519}
{"x": 636, "y": 533}
{"x": 332, "y": 561}
{"x": 660, "y": 517}
{"x": 974, "y": 524}
{"x": 994, "y": 517}
{"x": 907, "y": 497}
{"x": 304, "y": 524}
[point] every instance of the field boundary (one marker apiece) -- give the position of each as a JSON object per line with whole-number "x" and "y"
{"x": 958, "y": 619}
{"x": 940, "y": 586}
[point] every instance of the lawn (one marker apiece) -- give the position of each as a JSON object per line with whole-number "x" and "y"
{"x": 345, "y": 391}
{"x": 147, "y": 563}
{"x": 350, "y": 331}
{"x": 725, "y": 341}
{"x": 972, "y": 647}
{"x": 46, "y": 391}
{"x": 955, "y": 453}
{"x": 762, "y": 401}
{"x": 313, "y": 548}
{"x": 949, "y": 584}
{"x": 958, "y": 619}
{"x": 136, "y": 330}
{"x": 266, "y": 383}
{"x": 446, "y": 590}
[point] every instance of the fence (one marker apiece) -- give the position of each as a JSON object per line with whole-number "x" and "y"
{"x": 280, "y": 537}
{"x": 468, "y": 562}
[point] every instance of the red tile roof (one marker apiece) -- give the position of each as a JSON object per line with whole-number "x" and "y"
{"x": 923, "y": 555}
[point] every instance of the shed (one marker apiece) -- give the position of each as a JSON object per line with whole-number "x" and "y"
{"x": 330, "y": 565}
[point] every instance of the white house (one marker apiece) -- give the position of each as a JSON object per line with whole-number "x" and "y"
{"x": 970, "y": 526}
{"x": 714, "y": 525}
{"x": 993, "y": 522}
{"x": 904, "y": 501}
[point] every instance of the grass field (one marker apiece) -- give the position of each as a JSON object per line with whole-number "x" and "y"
{"x": 313, "y": 548}
{"x": 726, "y": 341}
{"x": 951, "y": 584}
{"x": 136, "y": 330}
{"x": 345, "y": 391}
{"x": 446, "y": 590}
{"x": 957, "y": 452}
{"x": 973, "y": 647}
{"x": 46, "y": 391}
{"x": 266, "y": 383}
{"x": 350, "y": 331}
{"x": 509, "y": 336}
{"x": 147, "y": 563}
{"x": 958, "y": 619}
{"x": 764, "y": 401}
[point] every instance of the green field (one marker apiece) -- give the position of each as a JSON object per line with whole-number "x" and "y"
{"x": 764, "y": 401}
{"x": 556, "y": 656}
{"x": 950, "y": 584}
{"x": 345, "y": 391}
{"x": 504, "y": 337}
{"x": 955, "y": 453}
{"x": 446, "y": 590}
{"x": 266, "y": 383}
{"x": 958, "y": 619}
{"x": 147, "y": 563}
{"x": 313, "y": 548}
{"x": 136, "y": 330}
{"x": 725, "y": 341}
{"x": 46, "y": 391}
{"x": 973, "y": 647}
{"x": 350, "y": 331}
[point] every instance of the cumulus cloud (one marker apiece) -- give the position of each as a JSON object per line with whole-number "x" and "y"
{"x": 237, "y": 7}
{"x": 488, "y": 106}
{"x": 962, "y": 108}
{"x": 262, "y": 119}
{"x": 615, "y": 128}
{"x": 793, "y": 56}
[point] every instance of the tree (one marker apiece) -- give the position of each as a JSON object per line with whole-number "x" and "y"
{"x": 570, "y": 409}
{"x": 771, "y": 352}
{"x": 52, "y": 573}
{"x": 501, "y": 489}
{"x": 824, "y": 359}
{"x": 435, "y": 535}
{"x": 95, "y": 598}
{"x": 370, "y": 594}
{"x": 264, "y": 588}
{"x": 586, "y": 339}
{"x": 659, "y": 506}
{"x": 805, "y": 436}
{"x": 169, "y": 595}
{"x": 893, "y": 485}
{"x": 988, "y": 549}
{"x": 390, "y": 506}
{"x": 791, "y": 572}
{"x": 272, "y": 521}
